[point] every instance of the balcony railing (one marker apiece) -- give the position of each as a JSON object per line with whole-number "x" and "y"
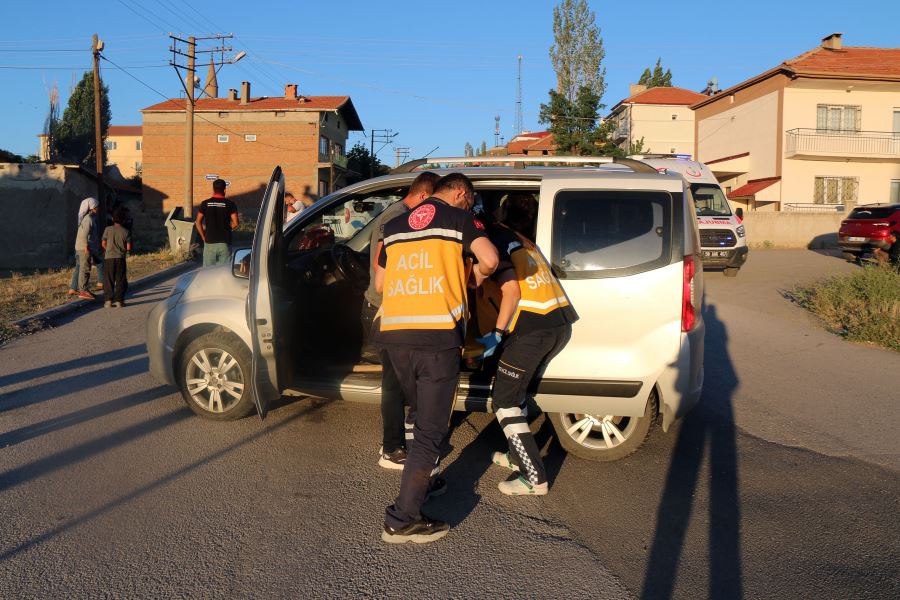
{"x": 849, "y": 144}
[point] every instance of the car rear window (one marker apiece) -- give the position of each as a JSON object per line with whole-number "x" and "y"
{"x": 874, "y": 212}
{"x": 611, "y": 233}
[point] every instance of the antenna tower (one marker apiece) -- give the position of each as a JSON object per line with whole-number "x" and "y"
{"x": 517, "y": 126}
{"x": 496, "y": 131}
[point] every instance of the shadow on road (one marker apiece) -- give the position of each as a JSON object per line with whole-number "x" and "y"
{"x": 49, "y": 390}
{"x": 76, "y": 363}
{"x": 709, "y": 428}
{"x": 120, "y": 437}
{"x": 103, "y": 409}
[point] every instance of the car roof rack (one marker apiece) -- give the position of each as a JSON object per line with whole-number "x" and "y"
{"x": 519, "y": 162}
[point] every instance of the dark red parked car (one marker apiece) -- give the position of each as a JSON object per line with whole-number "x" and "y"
{"x": 868, "y": 227}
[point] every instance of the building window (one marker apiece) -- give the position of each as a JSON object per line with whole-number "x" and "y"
{"x": 109, "y": 145}
{"x": 222, "y": 138}
{"x": 223, "y": 115}
{"x": 838, "y": 117}
{"x": 138, "y": 165}
{"x": 323, "y": 188}
{"x": 674, "y": 117}
{"x": 137, "y": 145}
{"x": 323, "y": 145}
{"x": 338, "y": 150}
{"x": 250, "y": 137}
{"x": 895, "y": 191}
{"x": 835, "y": 190}
{"x": 279, "y": 113}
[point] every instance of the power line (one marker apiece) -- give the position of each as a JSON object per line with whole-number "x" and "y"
{"x": 144, "y": 17}
{"x": 60, "y": 68}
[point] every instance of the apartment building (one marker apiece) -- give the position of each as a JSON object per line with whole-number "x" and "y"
{"x": 532, "y": 143}
{"x": 123, "y": 149}
{"x": 241, "y": 139}
{"x": 659, "y": 117}
{"x": 818, "y": 132}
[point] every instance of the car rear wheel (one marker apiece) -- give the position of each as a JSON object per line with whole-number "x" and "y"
{"x": 214, "y": 377}
{"x": 604, "y": 437}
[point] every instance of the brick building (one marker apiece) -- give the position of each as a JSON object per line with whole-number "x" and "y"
{"x": 241, "y": 139}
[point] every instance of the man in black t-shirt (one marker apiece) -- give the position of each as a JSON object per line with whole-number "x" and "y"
{"x": 216, "y": 218}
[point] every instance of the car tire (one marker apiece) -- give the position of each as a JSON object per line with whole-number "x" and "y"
{"x": 597, "y": 446}
{"x": 214, "y": 373}
{"x": 731, "y": 271}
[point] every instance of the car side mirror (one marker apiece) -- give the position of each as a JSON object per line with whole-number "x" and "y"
{"x": 740, "y": 213}
{"x": 240, "y": 263}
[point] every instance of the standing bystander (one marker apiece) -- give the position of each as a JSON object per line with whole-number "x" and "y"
{"x": 216, "y": 218}
{"x": 87, "y": 247}
{"x": 117, "y": 243}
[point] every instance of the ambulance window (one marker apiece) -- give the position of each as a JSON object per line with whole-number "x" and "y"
{"x": 710, "y": 201}
{"x": 610, "y": 234}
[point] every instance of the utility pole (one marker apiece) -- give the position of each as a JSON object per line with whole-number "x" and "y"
{"x": 190, "y": 52}
{"x": 402, "y": 155}
{"x": 96, "y": 47}
{"x": 382, "y": 136}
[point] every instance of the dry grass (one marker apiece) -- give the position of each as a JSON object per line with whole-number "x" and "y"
{"x": 25, "y": 294}
{"x": 863, "y": 306}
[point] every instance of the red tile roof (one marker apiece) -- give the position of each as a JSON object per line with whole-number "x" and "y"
{"x": 851, "y": 60}
{"x": 753, "y": 187}
{"x": 530, "y": 140}
{"x": 124, "y": 130}
{"x": 264, "y": 103}
{"x": 665, "y": 95}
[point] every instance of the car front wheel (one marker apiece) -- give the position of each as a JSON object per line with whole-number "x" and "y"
{"x": 214, "y": 376}
{"x": 604, "y": 437}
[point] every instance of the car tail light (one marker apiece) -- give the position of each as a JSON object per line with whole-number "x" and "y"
{"x": 688, "y": 303}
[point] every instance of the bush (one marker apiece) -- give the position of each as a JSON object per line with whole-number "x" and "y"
{"x": 863, "y": 306}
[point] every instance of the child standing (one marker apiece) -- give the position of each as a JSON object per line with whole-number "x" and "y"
{"x": 117, "y": 243}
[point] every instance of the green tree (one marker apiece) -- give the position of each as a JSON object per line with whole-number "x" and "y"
{"x": 656, "y": 77}
{"x": 468, "y": 150}
{"x": 577, "y": 50}
{"x": 637, "y": 147}
{"x": 573, "y": 111}
{"x": 361, "y": 161}
{"x": 10, "y": 157}
{"x": 74, "y": 141}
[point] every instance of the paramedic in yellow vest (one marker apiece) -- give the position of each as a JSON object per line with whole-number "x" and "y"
{"x": 534, "y": 323}
{"x": 422, "y": 275}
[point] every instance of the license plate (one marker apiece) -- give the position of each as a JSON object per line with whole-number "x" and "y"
{"x": 856, "y": 239}
{"x": 716, "y": 253}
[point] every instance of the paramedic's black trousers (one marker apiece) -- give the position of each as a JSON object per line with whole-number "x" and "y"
{"x": 428, "y": 379}
{"x": 522, "y": 358}
{"x": 393, "y": 411}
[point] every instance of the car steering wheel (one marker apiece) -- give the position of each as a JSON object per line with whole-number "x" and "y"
{"x": 351, "y": 268}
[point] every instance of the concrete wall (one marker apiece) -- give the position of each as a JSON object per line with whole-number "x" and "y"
{"x": 792, "y": 230}
{"x": 39, "y": 205}
{"x": 661, "y": 133}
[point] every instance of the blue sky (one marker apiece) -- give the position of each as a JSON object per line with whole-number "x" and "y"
{"x": 436, "y": 73}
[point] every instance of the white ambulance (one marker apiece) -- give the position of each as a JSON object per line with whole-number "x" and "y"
{"x": 723, "y": 239}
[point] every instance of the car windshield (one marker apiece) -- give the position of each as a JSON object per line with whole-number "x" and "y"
{"x": 710, "y": 201}
{"x": 872, "y": 212}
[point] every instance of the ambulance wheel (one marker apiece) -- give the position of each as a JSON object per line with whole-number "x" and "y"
{"x": 731, "y": 271}
{"x": 604, "y": 438}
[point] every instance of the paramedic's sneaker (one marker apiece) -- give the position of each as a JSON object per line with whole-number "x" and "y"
{"x": 437, "y": 487}
{"x": 393, "y": 460}
{"x": 502, "y": 459}
{"x": 419, "y": 532}
{"x": 521, "y": 487}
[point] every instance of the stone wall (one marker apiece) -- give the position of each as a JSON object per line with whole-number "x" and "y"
{"x": 792, "y": 230}
{"x": 38, "y": 203}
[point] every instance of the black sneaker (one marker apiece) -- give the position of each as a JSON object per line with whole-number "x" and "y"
{"x": 393, "y": 460}
{"x": 437, "y": 487}
{"x": 419, "y": 532}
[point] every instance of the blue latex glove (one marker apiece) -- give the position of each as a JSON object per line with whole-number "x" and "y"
{"x": 490, "y": 342}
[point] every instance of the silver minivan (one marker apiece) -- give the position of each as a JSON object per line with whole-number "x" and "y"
{"x": 285, "y": 318}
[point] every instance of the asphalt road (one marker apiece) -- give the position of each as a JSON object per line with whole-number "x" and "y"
{"x": 784, "y": 483}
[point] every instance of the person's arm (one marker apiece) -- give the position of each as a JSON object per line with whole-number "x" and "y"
{"x": 487, "y": 256}
{"x": 199, "y": 225}
{"x": 379, "y": 279}
{"x": 234, "y": 220}
{"x": 510, "y": 296}
{"x": 377, "y": 254}
{"x": 103, "y": 243}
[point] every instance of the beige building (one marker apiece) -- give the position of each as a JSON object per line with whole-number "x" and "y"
{"x": 820, "y": 131}
{"x": 124, "y": 149}
{"x": 660, "y": 116}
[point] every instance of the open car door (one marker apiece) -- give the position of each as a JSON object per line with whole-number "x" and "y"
{"x": 266, "y": 272}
